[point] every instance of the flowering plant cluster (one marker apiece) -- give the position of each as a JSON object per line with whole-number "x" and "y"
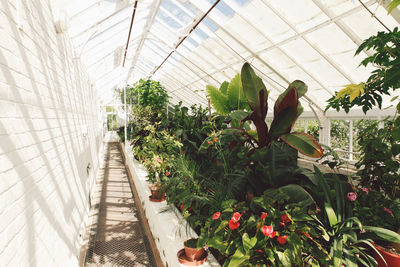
{"x": 263, "y": 232}
{"x": 373, "y": 208}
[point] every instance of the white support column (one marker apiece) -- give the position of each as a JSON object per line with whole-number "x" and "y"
{"x": 325, "y": 131}
{"x": 351, "y": 140}
{"x": 305, "y": 126}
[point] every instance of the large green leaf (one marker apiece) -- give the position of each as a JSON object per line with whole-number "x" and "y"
{"x": 393, "y": 5}
{"x": 283, "y": 121}
{"x": 301, "y": 89}
{"x": 297, "y": 194}
{"x": 248, "y": 243}
{"x": 224, "y": 87}
{"x": 304, "y": 143}
{"x": 384, "y": 234}
{"x": 218, "y": 100}
{"x": 238, "y": 258}
{"x": 235, "y": 94}
{"x": 330, "y": 212}
{"x": 217, "y": 243}
{"x": 254, "y": 90}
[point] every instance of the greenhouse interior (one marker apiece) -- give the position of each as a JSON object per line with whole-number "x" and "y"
{"x": 200, "y": 133}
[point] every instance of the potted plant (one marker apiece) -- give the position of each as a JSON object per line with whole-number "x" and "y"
{"x": 374, "y": 208}
{"x": 338, "y": 230}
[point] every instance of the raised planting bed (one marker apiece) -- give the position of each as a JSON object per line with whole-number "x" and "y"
{"x": 167, "y": 226}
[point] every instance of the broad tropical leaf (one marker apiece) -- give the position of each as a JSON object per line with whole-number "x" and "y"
{"x": 224, "y": 87}
{"x": 297, "y": 194}
{"x": 300, "y": 87}
{"x": 304, "y": 143}
{"x": 289, "y": 100}
{"x": 218, "y": 100}
{"x": 235, "y": 94}
{"x": 283, "y": 121}
{"x": 254, "y": 90}
{"x": 384, "y": 234}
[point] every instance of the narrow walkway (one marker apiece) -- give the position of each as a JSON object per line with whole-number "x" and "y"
{"x": 117, "y": 236}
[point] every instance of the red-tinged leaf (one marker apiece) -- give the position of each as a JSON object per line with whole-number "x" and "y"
{"x": 289, "y": 100}
{"x": 304, "y": 143}
{"x": 282, "y": 122}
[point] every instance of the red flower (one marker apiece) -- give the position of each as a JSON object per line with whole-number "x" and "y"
{"x": 268, "y": 231}
{"x": 233, "y": 224}
{"x": 366, "y": 190}
{"x": 216, "y": 215}
{"x": 167, "y": 173}
{"x": 259, "y": 250}
{"x": 282, "y": 224}
{"x": 285, "y": 218}
{"x": 215, "y": 139}
{"x": 182, "y": 206}
{"x": 351, "y": 196}
{"x": 209, "y": 142}
{"x": 263, "y": 215}
{"x": 236, "y": 216}
{"x": 159, "y": 160}
{"x": 282, "y": 239}
{"x": 388, "y": 211}
{"x": 183, "y": 152}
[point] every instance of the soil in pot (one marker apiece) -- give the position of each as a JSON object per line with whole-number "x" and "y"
{"x": 191, "y": 251}
{"x": 391, "y": 257}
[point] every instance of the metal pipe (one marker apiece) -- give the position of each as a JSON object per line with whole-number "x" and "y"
{"x": 130, "y": 30}
{"x": 184, "y": 38}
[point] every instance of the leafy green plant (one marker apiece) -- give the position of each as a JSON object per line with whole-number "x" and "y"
{"x": 145, "y": 93}
{"x": 287, "y": 109}
{"x": 379, "y": 167}
{"x": 228, "y": 97}
{"x": 338, "y": 231}
{"x": 264, "y": 233}
{"x": 384, "y": 79}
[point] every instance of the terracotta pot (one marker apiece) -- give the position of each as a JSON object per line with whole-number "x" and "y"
{"x": 156, "y": 192}
{"x": 194, "y": 254}
{"x": 391, "y": 259}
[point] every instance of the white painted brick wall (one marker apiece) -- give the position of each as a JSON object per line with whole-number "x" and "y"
{"x": 45, "y": 100}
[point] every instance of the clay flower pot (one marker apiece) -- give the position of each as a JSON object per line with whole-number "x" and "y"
{"x": 191, "y": 252}
{"x": 157, "y": 193}
{"x": 392, "y": 260}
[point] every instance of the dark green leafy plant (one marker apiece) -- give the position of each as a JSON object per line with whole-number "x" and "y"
{"x": 337, "y": 230}
{"x": 146, "y": 93}
{"x": 379, "y": 167}
{"x": 287, "y": 109}
{"x": 264, "y": 233}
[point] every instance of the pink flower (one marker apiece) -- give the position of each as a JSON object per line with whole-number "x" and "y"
{"x": 366, "y": 190}
{"x": 285, "y": 218}
{"x": 233, "y": 224}
{"x": 268, "y": 231}
{"x": 159, "y": 160}
{"x": 351, "y": 196}
{"x": 167, "y": 173}
{"x": 216, "y": 215}
{"x": 236, "y": 216}
{"x": 209, "y": 142}
{"x": 263, "y": 215}
{"x": 282, "y": 239}
{"x": 388, "y": 211}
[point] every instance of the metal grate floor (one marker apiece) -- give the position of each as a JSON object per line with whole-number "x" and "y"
{"x": 116, "y": 235}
